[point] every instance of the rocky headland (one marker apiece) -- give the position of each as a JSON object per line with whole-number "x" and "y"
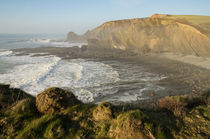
{"x": 160, "y": 42}
{"x": 181, "y": 34}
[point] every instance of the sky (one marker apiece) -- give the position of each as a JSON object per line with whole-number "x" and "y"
{"x": 62, "y": 16}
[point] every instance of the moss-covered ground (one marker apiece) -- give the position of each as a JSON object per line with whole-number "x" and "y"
{"x": 174, "y": 117}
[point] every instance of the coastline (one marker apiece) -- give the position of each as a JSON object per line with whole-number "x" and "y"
{"x": 100, "y": 53}
{"x": 182, "y": 77}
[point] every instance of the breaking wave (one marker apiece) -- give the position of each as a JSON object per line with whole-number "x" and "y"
{"x": 90, "y": 81}
{"x": 34, "y": 74}
{"x": 55, "y": 43}
{"x": 5, "y": 52}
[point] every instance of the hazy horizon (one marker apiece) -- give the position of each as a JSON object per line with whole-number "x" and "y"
{"x": 60, "y": 17}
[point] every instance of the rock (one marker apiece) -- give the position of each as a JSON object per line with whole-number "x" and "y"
{"x": 103, "y": 112}
{"x": 54, "y": 100}
{"x": 73, "y": 37}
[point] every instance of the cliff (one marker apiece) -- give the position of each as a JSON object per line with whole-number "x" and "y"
{"x": 158, "y": 33}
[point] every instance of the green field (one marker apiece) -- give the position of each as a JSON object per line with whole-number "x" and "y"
{"x": 201, "y": 23}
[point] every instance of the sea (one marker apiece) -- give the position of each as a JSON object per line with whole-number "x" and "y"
{"x": 90, "y": 80}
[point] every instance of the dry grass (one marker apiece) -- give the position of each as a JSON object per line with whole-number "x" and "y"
{"x": 175, "y": 104}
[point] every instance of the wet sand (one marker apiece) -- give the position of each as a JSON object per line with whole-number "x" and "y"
{"x": 195, "y": 78}
{"x": 182, "y": 77}
{"x": 203, "y": 62}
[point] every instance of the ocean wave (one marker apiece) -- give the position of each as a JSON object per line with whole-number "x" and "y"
{"x": 90, "y": 81}
{"x": 84, "y": 95}
{"x": 30, "y": 72}
{"x": 40, "y": 40}
{"x": 5, "y": 53}
{"x": 16, "y": 41}
{"x": 56, "y": 43}
{"x": 34, "y": 74}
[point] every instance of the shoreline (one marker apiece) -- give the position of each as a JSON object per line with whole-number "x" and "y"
{"x": 203, "y": 62}
{"x": 180, "y": 76}
{"x": 98, "y": 53}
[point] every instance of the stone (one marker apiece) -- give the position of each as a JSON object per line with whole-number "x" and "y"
{"x": 54, "y": 100}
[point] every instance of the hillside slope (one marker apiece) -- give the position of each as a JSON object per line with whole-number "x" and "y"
{"x": 51, "y": 115}
{"x": 159, "y": 33}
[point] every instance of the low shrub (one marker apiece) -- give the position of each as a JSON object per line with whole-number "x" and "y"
{"x": 175, "y": 104}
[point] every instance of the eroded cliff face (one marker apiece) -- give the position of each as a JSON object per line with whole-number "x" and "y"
{"x": 159, "y": 33}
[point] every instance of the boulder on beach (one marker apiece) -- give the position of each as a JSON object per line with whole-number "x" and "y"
{"x": 54, "y": 100}
{"x": 103, "y": 112}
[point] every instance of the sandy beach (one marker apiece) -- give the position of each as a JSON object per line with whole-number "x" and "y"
{"x": 203, "y": 62}
{"x": 185, "y": 74}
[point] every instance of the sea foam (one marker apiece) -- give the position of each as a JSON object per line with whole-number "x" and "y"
{"x": 34, "y": 74}
{"x": 55, "y": 43}
{"x": 5, "y": 53}
{"x": 90, "y": 81}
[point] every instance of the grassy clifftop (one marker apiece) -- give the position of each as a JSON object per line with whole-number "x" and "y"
{"x": 202, "y": 23}
{"x": 173, "y": 117}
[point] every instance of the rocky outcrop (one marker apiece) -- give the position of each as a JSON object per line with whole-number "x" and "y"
{"x": 73, "y": 37}
{"x": 159, "y": 33}
{"x": 54, "y": 100}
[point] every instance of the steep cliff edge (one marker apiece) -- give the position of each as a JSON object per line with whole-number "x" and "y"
{"x": 159, "y": 33}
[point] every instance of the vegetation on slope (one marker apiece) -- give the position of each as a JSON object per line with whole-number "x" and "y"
{"x": 202, "y": 23}
{"x": 174, "y": 117}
